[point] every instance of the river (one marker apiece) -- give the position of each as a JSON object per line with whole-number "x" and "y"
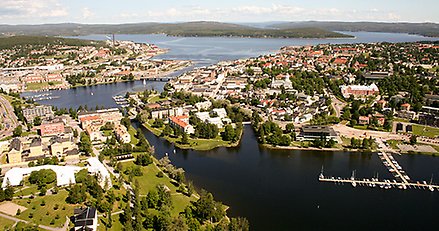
{"x": 279, "y": 189}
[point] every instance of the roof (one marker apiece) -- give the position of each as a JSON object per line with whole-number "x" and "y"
{"x": 178, "y": 120}
{"x": 16, "y": 144}
{"x": 318, "y": 129}
{"x": 64, "y": 174}
{"x": 85, "y": 217}
{"x": 35, "y": 142}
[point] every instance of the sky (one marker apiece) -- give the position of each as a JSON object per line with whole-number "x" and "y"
{"x": 130, "y": 11}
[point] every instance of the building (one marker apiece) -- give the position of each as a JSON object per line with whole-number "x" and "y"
{"x": 182, "y": 123}
{"x": 122, "y": 134}
{"x": 36, "y": 148}
{"x": 220, "y": 112}
{"x": 309, "y": 133}
{"x": 363, "y": 120}
{"x": 163, "y": 113}
{"x": 52, "y": 129}
{"x": 97, "y": 168}
{"x": 85, "y": 219}
{"x": 14, "y": 154}
{"x": 203, "y": 105}
{"x": 65, "y": 175}
{"x": 63, "y": 146}
{"x": 42, "y": 111}
{"x": 359, "y": 90}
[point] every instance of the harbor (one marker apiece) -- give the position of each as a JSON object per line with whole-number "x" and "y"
{"x": 401, "y": 181}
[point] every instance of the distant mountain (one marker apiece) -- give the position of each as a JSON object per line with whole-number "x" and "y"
{"x": 425, "y": 29}
{"x": 176, "y": 29}
{"x": 24, "y": 40}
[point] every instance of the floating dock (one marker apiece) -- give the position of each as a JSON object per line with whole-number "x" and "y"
{"x": 401, "y": 181}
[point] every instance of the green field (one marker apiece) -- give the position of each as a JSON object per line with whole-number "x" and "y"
{"x": 425, "y": 131}
{"x": 156, "y": 99}
{"x": 133, "y": 132}
{"x": 44, "y": 214}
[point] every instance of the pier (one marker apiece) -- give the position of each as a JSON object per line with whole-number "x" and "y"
{"x": 401, "y": 181}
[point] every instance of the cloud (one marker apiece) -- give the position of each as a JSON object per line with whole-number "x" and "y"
{"x": 87, "y": 13}
{"x": 30, "y": 10}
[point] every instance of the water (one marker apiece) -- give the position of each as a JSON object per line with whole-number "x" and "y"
{"x": 279, "y": 189}
{"x": 204, "y": 51}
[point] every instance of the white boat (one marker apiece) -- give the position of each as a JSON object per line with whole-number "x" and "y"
{"x": 174, "y": 151}
{"x": 91, "y": 93}
{"x": 144, "y": 82}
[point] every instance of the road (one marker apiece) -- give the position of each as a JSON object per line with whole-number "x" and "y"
{"x": 337, "y": 105}
{"x": 11, "y": 119}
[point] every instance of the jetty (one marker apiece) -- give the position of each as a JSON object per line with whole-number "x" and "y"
{"x": 401, "y": 181}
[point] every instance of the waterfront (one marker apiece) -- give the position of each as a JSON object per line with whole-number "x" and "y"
{"x": 203, "y": 51}
{"x": 279, "y": 189}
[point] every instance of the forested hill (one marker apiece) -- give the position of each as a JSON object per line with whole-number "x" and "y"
{"x": 176, "y": 29}
{"x": 425, "y": 29}
{"x": 12, "y": 41}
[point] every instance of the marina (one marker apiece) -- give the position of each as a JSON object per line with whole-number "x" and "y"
{"x": 401, "y": 181}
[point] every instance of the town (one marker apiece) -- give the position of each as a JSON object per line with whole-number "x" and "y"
{"x": 53, "y": 66}
{"x": 359, "y": 97}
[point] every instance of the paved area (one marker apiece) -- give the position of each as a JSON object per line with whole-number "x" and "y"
{"x": 416, "y": 148}
{"x": 11, "y": 208}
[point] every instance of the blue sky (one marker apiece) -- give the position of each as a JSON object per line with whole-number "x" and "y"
{"x": 125, "y": 11}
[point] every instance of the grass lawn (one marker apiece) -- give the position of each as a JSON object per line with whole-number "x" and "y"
{"x": 116, "y": 225}
{"x": 361, "y": 127}
{"x": 394, "y": 143}
{"x": 39, "y": 86}
{"x": 5, "y": 224}
{"x": 149, "y": 181}
{"x": 44, "y": 214}
{"x": 156, "y": 98}
{"x": 195, "y": 144}
{"x": 133, "y": 132}
{"x": 420, "y": 130}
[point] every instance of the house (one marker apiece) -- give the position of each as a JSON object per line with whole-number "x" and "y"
{"x": 182, "y": 123}
{"x": 203, "y": 105}
{"x": 312, "y": 132}
{"x": 359, "y": 90}
{"x": 122, "y": 134}
{"x": 163, "y": 113}
{"x": 363, "y": 120}
{"x": 405, "y": 107}
{"x": 220, "y": 112}
{"x": 85, "y": 219}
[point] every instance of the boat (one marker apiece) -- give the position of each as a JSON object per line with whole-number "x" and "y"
{"x": 144, "y": 82}
{"x": 91, "y": 93}
{"x": 174, "y": 151}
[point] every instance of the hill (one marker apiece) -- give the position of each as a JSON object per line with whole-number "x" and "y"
{"x": 176, "y": 29}
{"x": 425, "y": 29}
{"x": 21, "y": 40}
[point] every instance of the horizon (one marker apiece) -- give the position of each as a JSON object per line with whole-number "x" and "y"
{"x": 35, "y": 12}
{"x": 211, "y": 21}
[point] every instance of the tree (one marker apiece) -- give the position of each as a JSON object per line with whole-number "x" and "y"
{"x": 239, "y": 224}
{"x": 77, "y": 194}
{"x": 413, "y": 139}
{"x": 289, "y": 128}
{"x": 185, "y": 138}
{"x": 167, "y": 131}
{"x": 85, "y": 144}
{"x": 229, "y": 133}
{"x": 37, "y": 121}
{"x": 206, "y": 208}
{"x": 143, "y": 159}
{"x": 17, "y": 131}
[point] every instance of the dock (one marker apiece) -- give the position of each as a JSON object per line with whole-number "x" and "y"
{"x": 401, "y": 181}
